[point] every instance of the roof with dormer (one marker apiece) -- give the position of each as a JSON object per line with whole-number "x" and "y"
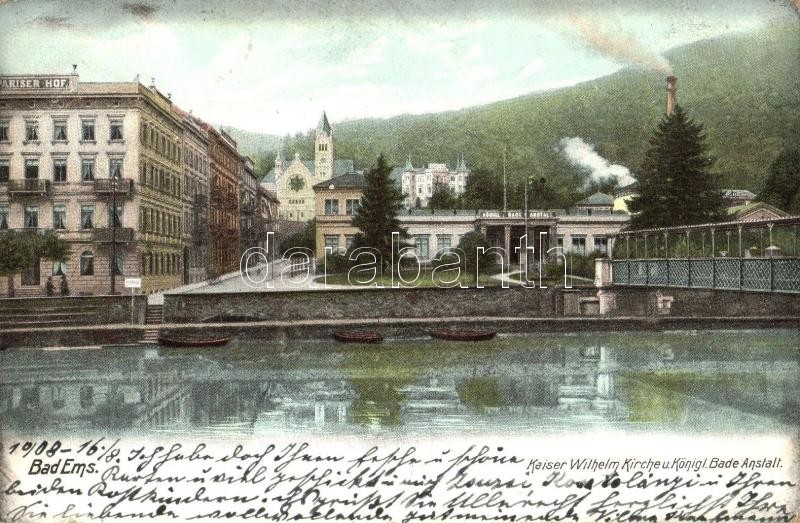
{"x": 350, "y": 179}
{"x": 597, "y": 198}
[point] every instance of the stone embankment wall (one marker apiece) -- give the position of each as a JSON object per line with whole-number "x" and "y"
{"x": 337, "y": 304}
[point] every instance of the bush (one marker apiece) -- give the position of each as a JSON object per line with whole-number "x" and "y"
{"x": 49, "y": 288}
{"x": 581, "y": 265}
{"x": 469, "y": 246}
{"x": 336, "y": 263}
{"x": 64, "y": 287}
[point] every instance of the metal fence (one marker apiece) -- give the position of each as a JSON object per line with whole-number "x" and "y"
{"x": 752, "y": 274}
{"x": 748, "y": 256}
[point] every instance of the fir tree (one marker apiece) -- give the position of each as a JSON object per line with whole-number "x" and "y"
{"x": 443, "y": 197}
{"x": 64, "y": 286}
{"x": 676, "y": 186}
{"x": 49, "y": 288}
{"x": 782, "y": 185}
{"x": 376, "y": 217}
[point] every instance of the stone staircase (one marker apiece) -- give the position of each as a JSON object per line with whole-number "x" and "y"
{"x": 28, "y": 292}
{"x": 154, "y": 315}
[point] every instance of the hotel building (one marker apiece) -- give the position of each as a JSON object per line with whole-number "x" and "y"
{"x": 224, "y": 192}
{"x": 101, "y": 164}
{"x": 419, "y": 183}
{"x": 196, "y": 171}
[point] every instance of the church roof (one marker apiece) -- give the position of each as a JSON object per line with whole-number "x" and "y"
{"x": 340, "y": 166}
{"x": 597, "y": 198}
{"x": 350, "y": 179}
{"x": 323, "y": 126}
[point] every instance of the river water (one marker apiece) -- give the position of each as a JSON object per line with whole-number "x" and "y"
{"x": 737, "y": 381}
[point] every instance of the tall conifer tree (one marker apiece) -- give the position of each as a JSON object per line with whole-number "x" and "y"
{"x": 376, "y": 217}
{"x": 676, "y": 186}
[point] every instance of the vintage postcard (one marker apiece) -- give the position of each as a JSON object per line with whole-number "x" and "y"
{"x": 320, "y": 260}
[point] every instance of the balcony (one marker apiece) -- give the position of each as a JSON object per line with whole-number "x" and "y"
{"x": 33, "y": 187}
{"x": 118, "y": 186}
{"x": 200, "y": 234}
{"x": 224, "y": 201}
{"x": 113, "y": 234}
{"x": 247, "y": 208}
{"x": 200, "y": 201}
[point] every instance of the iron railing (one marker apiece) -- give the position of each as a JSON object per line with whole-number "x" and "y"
{"x": 107, "y": 186}
{"x": 29, "y": 187}
{"x": 759, "y": 255}
{"x": 113, "y": 235}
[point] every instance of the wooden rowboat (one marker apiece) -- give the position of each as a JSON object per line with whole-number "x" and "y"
{"x": 462, "y": 334}
{"x": 174, "y": 341}
{"x": 357, "y": 337}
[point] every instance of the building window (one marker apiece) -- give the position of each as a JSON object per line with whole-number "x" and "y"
{"x": 601, "y": 244}
{"x": 348, "y": 241}
{"x": 87, "y": 170}
{"x": 579, "y": 245}
{"x": 115, "y": 218}
{"x": 31, "y": 131}
{"x": 421, "y": 246}
{"x": 60, "y": 131}
{"x": 444, "y": 242}
{"x": 4, "y": 131}
{"x": 118, "y": 265}
{"x": 87, "y": 397}
{"x": 31, "y": 216}
{"x": 351, "y": 206}
{"x": 331, "y": 207}
{"x": 59, "y": 268}
{"x": 5, "y": 169}
{"x": 332, "y": 242}
{"x": 3, "y": 217}
{"x": 57, "y": 398}
{"x": 87, "y": 130}
{"x": 115, "y": 168}
{"x": 31, "y": 169}
{"x": 59, "y": 216}
{"x": 560, "y": 241}
{"x": 60, "y": 170}
{"x": 87, "y": 216}
{"x": 87, "y": 263}
{"x": 116, "y": 131}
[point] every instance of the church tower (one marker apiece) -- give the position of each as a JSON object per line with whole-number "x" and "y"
{"x": 323, "y": 149}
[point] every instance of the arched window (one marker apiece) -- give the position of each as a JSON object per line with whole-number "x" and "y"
{"x": 87, "y": 263}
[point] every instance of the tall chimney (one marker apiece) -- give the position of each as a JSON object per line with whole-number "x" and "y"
{"x": 672, "y": 97}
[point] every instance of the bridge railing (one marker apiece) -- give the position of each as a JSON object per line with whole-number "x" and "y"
{"x": 755, "y": 256}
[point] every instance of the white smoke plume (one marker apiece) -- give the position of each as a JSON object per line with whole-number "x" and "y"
{"x": 618, "y": 44}
{"x": 582, "y": 154}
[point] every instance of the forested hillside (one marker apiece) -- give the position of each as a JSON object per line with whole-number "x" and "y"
{"x": 744, "y": 88}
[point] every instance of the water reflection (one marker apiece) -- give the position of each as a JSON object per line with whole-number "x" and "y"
{"x": 745, "y": 381}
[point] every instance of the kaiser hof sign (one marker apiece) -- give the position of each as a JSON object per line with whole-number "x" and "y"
{"x": 35, "y": 83}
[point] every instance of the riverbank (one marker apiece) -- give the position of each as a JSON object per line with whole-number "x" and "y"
{"x": 402, "y": 328}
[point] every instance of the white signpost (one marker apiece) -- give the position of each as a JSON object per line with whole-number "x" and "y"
{"x": 133, "y": 284}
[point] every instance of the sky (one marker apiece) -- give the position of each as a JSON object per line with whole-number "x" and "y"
{"x": 273, "y": 67}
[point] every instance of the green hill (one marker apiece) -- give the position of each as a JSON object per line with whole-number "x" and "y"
{"x": 744, "y": 88}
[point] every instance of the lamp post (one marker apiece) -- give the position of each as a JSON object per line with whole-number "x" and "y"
{"x": 113, "y": 263}
{"x": 528, "y": 180}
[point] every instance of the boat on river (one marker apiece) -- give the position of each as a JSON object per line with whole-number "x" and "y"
{"x": 463, "y": 334}
{"x": 191, "y": 341}
{"x": 357, "y": 337}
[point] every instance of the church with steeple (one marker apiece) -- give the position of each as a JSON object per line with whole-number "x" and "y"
{"x": 295, "y": 178}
